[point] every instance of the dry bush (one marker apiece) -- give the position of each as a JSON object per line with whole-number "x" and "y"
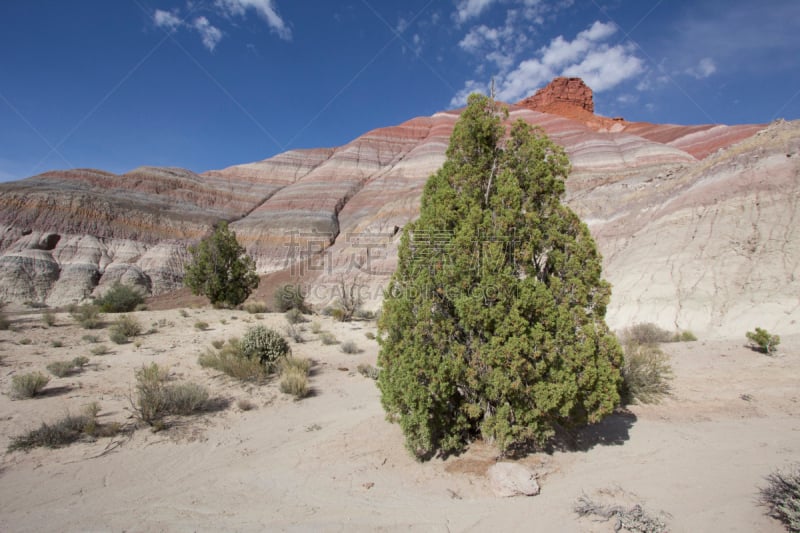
{"x": 369, "y": 335}
{"x": 245, "y": 404}
{"x": 124, "y": 328}
{"x": 368, "y": 371}
{"x": 294, "y": 316}
{"x": 289, "y": 296}
{"x": 316, "y": 327}
{"x": 28, "y": 385}
{"x": 87, "y": 315}
{"x": 255, "y": 308}
{"x": 295, "y": 382}
{"x": 5, "y": 323}
{"x": 91, "y": 339}
{"x": 645, "y": 333}
{"x": 218, "y": 343}
{"x": 298, "y": 364}
{"x": 295, "y": 333}
{"x": 201, "y": 325}
{"x": 49, "y": 319}
{"x": 350, "y": 347}
{"x": 65, "y": 431}
{"x": 646, "y": 373}
{"x": 781, "y": 497}
{"x": 628, "y": 519}
{"x": 102, "y": 349}
{"x": 328, "y": 338}
{"x": 231, "y": 360}
{"x": 157, "y": 399}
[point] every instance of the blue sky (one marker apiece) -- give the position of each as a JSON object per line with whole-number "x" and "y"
{"x": 204, "y": 84}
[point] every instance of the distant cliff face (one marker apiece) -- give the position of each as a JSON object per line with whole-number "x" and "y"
{"x": 697, "y": 224}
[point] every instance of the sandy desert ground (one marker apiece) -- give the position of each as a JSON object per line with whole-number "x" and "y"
{"x": 330, "y": 462}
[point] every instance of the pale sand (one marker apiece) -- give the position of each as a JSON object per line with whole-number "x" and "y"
{"x": 332, "y": 463}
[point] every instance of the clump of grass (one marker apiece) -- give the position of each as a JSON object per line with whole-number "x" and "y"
{"x": 292, "y": 363}
{"x": 295, "y": 382}
{"x": 87, "y": 315}
{"x": 316, "y": 327}
{"x": 65, "y": 431}
{"x": 368, "y": 371}
{"x": 363, "y": 314}
{"x": 646, "y": 373}
{"x": 370, "y": 335}
{"x": 645, "y": 333}
{"x": 685, "y": 336}
{"x": 223, "y": 321}
{"x": 25, "y": 342}
{"x": 781, "y": 497}
{"x": 294, "y": 316}
{"x": 200, "y": 325}
{"x": 183, "y": 312}
{"x": 65, "y": 368}
{"x": 328, "y": 338}
{"x": 350, "y": 347}
{"x": 218, "y": 343}
{"x": 124, "y": 328}
{"x": 230, "y": 359}
{"x": 157, "y": 399}
{"x": 120, "y": 298}
{"x": 28, "y": 385}
{"x": 255, "y": 308}
{"x": 102, "y": 349}
{"x": 57, "y": 344}
{"x": 91, "y": 339}
{"x": 49, "y": 319}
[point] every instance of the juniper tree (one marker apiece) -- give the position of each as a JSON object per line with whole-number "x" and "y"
{"x": 221, "y": 269}
{"x": 493, "y": 324}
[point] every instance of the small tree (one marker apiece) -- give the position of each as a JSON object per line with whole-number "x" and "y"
{"x": 763, "y": 340}
{"x": 494, "y": 321}
{"x": 220, "y": 268}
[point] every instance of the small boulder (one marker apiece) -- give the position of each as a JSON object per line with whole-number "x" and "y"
{"x": 512, "y": 479}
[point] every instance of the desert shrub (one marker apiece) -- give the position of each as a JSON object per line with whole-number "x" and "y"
{"x": 481, "y": 338}
{"x": 363, "y": 314}
{"x": 295, "y": 333}
{"x": 634, "y": 518}
{"x": 200, "y": 325}
{"x": 646, "y": 373}
{"x": 25, "y": 342}
{"x": 338, "y": 314}
{"x": 295, "y": 382}
{"x": 57, "y": 344}
{"x": 65, "y": 368}
{"x": 127, "y": 325}
{"x": 5, "y": 323}
{"x": 265, "y": 345}
{"x": 294, "y": 316}
{"x": 370, "y": 335}
{"x": 289, "y": 296}
{"x": 118, "y": 337}
{"x": 229, "y": 359}
{"x": 349, "y": 301}
{"x": 91, "y": 339}
{"x": 28, "y": 385}
{"x": 368, "y": 371}
{"x": 65, "y": 431}
{"x": 762, "y": 340}
{"x": 184, "y": 313}
{"x": 255, "y": 308}
{"x": 328, "y": 338}
{"x": 87, "y": 315}
{"x": 298, "y": 364}
{"x": 220, "y": 269}
{"x": 119, "y": 298}
{"x": 316, "y": 327}
{"x": 245, "y": 404}
{"x": 645, "y": 333}
{"x": 685, "y": 336}
{"x": 350, "y": 347}
{"x": 781, "y": 497}
{"x": 49, "y": 319}
{"x": 102, "y": 349}
{"x": 218, "y": 343}
{"x": 156, "y": 398}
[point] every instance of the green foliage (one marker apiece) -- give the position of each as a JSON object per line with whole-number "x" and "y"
{"x": 28, "y": 385}
{"x": 65, "y": 368}
{"x": 781, "y": 497}
{"x": 646, "y": 373}
{"x": 289, "y": 296}
{"x": 220, "y": 269}
{"x": 124, "y": 328}
{"x": 494, "y": 321}
{"x": 87, "y": 315}
{"x": 685, "y": 336}
{"x": 231, "y": 360}
{"x": 264, "y": 345}
{"x": 763, "y": 340}
{"x": 119, "y": 298}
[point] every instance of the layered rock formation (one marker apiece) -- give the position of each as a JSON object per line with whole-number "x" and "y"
{"x": 696, "y": 223}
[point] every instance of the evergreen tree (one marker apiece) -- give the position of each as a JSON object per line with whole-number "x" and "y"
{"x": 221, "y": 269}
{"x": 494, "y": 321}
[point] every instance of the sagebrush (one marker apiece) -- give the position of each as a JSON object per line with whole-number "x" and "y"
{"x": 119, "y": 298}
{"x": 781, "y": 497}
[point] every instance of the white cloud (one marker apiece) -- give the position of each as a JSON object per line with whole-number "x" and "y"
{"x": 588, "y": 56}
{"x": 166, "y": 19}
{"x": 210, "y": 35}
{"x": 467, "y": 9}
{"x": 265, "y": 9}
{"x": 705, "y": 68}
